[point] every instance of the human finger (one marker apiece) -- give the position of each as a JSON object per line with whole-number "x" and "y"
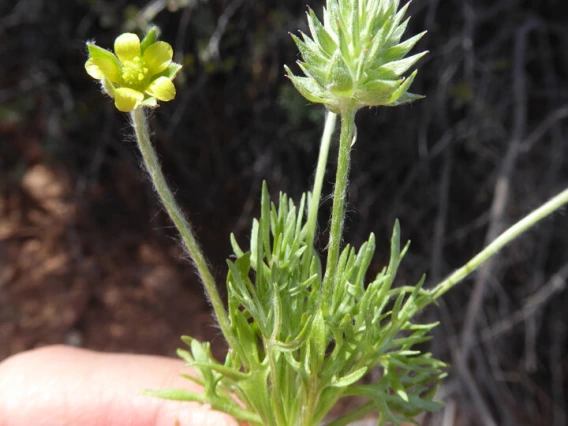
{"x": 64, "y": 386}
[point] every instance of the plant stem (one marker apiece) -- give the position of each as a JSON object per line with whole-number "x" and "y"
{"x": 309, "y": 403}
{"x": 339, "y": 195}
{"x": 330, "y": 120}
{"x": 153, "y": 167}
{"x": 502, "y": 240}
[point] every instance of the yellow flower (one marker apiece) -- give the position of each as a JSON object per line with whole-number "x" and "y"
{"x": 139, "y": 74}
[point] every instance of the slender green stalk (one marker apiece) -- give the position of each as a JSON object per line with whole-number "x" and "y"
{"x": 339, "y": 195}
{"x": 501, "y": 241}
{"x": 153, "y": 167}
{"x": 330, "y": 120}
{"x": 309, "y": 403}
{"x": 276, "y": 396}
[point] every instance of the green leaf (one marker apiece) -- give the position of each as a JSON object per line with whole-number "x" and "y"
{"x": 254, "y": 249}
{"x": 265, "y": 221}
{"x": 243, "y": 288}
{"x": 316, "y": 344}
{"x": 176, "y": 395}
{"x": 395, "y": 249}
{"x": 150, "y": 38}
{"x": 397, "y": 386}
{"x": 349, "y": 379}
{"x": 227, "y": 372}
{"x": 185, "y": 355}
{"x": 193, "y": 379}
{"x": 410, "y": 306}
{"x": 295, "y": 343}
{"x": 229, "y": 407}
{"x": 247, "y": 339}
{"x": 364, "y": 259}
{"x": 236, "y": 249}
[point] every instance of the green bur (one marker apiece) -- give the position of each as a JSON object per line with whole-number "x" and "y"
{"x": 356, "y": 56}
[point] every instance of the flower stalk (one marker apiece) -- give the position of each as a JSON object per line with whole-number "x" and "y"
{"x": 501, "y": 241}
{"x": 153, "y": 168}
{"x": 346, "y": 140}
{"x": 313, "y": 209}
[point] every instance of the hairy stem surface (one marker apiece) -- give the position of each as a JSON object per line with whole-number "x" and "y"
{"x": 339, "y": 195}
{"x": 153, "y": 167}
{"x": 330, "y": 121}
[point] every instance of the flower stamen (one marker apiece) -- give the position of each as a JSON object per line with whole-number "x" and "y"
{"x": 134, "y": 73}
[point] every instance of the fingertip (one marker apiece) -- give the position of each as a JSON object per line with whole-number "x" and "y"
{"x": 70, "y": 386}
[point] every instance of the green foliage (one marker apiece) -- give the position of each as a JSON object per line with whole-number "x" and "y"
{"x": 292, "y": 362}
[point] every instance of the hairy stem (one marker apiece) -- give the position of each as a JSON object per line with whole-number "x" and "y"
{"x": 330, "y": 120}
{"x": 339, "y": 195}
{"x": 501, "y": 241}
{"x": 153, "y": 167}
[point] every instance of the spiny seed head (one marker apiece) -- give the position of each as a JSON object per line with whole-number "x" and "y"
{"x": 356, "y": 57}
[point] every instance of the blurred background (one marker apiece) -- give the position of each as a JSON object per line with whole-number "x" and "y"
{"x": 88, "y": 258}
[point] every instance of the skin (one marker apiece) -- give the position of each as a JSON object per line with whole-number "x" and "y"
{"x": 63, "y": 386}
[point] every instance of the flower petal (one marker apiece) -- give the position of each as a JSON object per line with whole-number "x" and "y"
{"x": 126, "y": 99}
{"x": 102, "y": 62}
{"x": 100, "y": 68}
{"x": 158, "y": 57}
{"x": 162, "y": 89}
{"x": 127, "y": 47}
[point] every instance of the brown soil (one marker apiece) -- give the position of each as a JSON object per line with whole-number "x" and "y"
{"x": 62, "y": 282}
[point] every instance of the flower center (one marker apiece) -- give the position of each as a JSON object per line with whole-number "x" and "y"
{"x": 134, "y": 73}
